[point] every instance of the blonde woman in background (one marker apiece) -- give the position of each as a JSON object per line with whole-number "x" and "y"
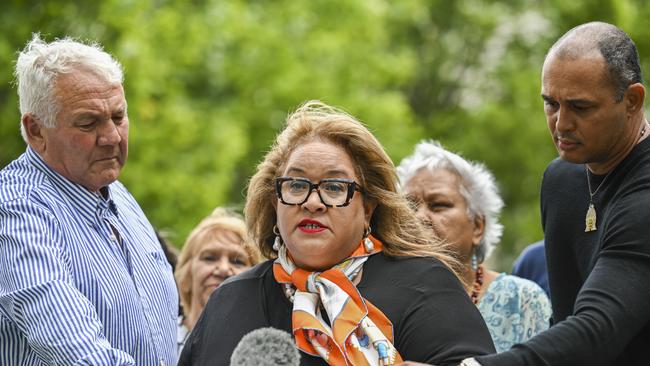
{"x": 214, "y": 251}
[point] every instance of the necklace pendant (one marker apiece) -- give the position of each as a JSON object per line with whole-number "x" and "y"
{"x": 590, "y": 219}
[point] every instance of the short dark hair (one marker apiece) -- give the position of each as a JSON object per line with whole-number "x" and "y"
{"x": 616, "y": 47}
{"x": 622, "y": 58}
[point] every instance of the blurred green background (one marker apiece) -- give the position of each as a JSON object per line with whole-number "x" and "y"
{"x": 209, "y": 84}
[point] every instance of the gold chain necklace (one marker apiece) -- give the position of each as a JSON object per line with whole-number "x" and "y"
{"x": 590, "y": 218}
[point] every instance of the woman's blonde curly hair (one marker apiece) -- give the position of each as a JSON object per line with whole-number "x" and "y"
{"x": 393, "y": 221}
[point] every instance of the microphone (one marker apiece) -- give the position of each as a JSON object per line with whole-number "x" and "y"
{"x": 266, "y": 347}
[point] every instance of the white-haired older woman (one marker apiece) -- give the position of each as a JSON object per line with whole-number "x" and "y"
{"x": 461, "y": 202}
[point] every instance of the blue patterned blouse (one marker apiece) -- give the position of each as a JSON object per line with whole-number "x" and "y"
{"x": 514, "y": 309}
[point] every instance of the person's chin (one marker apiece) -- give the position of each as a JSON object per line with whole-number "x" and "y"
{"x": 108, "y": 176}
{"x": 571, "y": 157}
{"x": 208, "y": 292}
{"x": 310, "y": 260}
{"x": 310, "y": 246}
{"x": 320, "y": 260}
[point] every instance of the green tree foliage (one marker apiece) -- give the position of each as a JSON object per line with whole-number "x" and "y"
{"x": 210, "y": 82}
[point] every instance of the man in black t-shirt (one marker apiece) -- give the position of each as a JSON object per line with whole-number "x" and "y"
{"x": 594, "y": 201}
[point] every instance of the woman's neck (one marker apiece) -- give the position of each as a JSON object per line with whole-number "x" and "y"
{"x": 191, "y": 318}
{"x": 469, "y": 276}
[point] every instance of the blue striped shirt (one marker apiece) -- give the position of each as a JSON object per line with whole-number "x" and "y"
{"x": 73, "y": 290}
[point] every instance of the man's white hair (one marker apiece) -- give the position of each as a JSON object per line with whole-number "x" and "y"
{"x": 39, "y": 65}
{"x": 478, "y": 187}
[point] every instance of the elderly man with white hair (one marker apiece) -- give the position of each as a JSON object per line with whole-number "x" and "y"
{"x": 83, "y": 279}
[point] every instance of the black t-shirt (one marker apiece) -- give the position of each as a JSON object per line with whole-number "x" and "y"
{"x": 433, "y": 319}
{"x": 600, "y": 280}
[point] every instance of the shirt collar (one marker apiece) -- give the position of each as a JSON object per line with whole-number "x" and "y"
{"x": 84, "y": 201}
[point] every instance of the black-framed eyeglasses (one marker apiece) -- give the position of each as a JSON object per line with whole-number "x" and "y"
{"x": 333, "y": 192}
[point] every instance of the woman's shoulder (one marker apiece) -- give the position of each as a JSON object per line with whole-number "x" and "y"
{"x": 257, "y": 272}
{"x": 510, "y": 283}
{"x": 516, "y": 290}
{"x": 397, "y": 264}
{"x": 418, "y": 271}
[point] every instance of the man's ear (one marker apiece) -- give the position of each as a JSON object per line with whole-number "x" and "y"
{"x": 33, "y": 131}
{"x": 634, "y": 97}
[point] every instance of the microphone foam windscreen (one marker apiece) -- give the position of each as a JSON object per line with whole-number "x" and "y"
{"x": 265, "y": 346}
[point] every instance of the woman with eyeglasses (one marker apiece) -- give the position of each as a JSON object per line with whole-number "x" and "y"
{"x": 352, "y": 273}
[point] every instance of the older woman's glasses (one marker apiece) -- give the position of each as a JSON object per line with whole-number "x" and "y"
{"x": 332, "y": 192}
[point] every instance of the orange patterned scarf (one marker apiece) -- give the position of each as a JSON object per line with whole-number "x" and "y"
{"x": 360, "y": 334}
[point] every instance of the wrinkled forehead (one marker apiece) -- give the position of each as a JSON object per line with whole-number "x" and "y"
{"x": 86, "y": 91}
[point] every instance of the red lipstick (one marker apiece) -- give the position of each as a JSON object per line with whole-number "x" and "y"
{"x": 311, "y": 226}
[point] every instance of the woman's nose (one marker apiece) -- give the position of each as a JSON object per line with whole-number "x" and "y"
{"x": 223, "y": 267}
{"x": 313, "y": 203}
